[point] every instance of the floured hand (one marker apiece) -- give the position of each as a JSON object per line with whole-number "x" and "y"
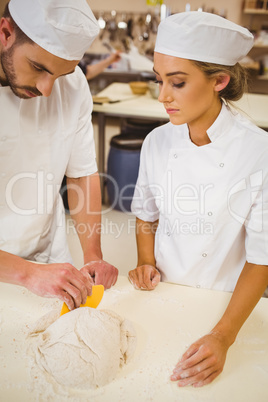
{"x": 102, "y": 273}
{"x": 202, "y": 362}
{"x": 144, "y": 277}
{"x": 63, "y": 281}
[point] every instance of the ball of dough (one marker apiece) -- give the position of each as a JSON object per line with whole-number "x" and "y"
{"x": 86, "y": 347}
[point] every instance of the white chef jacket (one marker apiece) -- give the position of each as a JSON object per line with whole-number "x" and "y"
{"x": 41, "y": 139}
{"x": 211, "y": 200}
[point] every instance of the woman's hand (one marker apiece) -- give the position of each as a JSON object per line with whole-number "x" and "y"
{"x": 144, "y": 277}
{"x": 202, "y": 362}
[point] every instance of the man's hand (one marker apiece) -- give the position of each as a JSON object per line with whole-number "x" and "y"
{"x": 63, "y": 281}
{"x": 101, "y": 272}
{"x": 145, "y": 277}
{"x": 202, "y": 362}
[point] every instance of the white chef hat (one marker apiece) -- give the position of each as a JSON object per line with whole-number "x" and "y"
{"x": 65, "y": 28}
{"x": 204, "y": 37}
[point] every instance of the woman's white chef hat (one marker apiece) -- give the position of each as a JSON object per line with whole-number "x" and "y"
{"x": 65, "y": 28}
{"x": 203, "y": 37}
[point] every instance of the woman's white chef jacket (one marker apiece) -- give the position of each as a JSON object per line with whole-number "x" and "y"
{"x": 211, "y": 200}
{"x": 41, "y": 139}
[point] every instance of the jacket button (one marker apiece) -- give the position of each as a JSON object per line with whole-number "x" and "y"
{"x": 221, "y": 164}
{"x": 204, "y": 255}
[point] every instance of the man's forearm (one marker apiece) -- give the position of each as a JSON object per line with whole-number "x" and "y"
{"x": 84, "y": 198}
{"x": 13, "y": 269}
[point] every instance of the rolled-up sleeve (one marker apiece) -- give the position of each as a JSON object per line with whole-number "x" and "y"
{"x": 257, "y": 226}
{"x": 82, "y": 161}
{"x": 143, "y": 203}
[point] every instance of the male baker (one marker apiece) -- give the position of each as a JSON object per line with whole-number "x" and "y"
{"x": 46, "y": 132}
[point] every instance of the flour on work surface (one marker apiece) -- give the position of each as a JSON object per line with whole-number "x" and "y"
{"x": 84, "y": 348}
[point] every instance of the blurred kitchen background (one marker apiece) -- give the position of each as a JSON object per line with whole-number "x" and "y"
{"x": 131, "y": 28}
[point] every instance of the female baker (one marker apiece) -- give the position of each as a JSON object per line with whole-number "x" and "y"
{"x": 201, "y": 198}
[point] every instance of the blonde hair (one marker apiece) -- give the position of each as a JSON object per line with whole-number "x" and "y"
{"x": 238, "y": 83}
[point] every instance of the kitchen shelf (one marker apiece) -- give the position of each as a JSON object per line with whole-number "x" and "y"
{"x": 259, "y": 11}
{"x": 260, "y": 46}
{"x": 262, "y": 77}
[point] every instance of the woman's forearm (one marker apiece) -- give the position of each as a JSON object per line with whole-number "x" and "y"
{"x": 248, "y": 291}
{"x": 145, "y": 276}
{"x": 204, "y": 359}
{"x": 145, "y": 237}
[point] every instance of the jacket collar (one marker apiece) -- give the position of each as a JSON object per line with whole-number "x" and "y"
{"x": 222, "y": 124}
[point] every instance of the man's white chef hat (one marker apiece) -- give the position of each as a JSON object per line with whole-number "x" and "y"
{"x": 203, "y": 37}
{"x": 65, "y": 28}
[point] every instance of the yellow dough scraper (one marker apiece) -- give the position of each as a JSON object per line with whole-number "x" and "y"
{"x": 92, "y": 301}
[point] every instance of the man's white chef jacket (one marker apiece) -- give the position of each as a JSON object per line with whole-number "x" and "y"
{"x": 41, "y": 139}
{"x": 211, "y": 200}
